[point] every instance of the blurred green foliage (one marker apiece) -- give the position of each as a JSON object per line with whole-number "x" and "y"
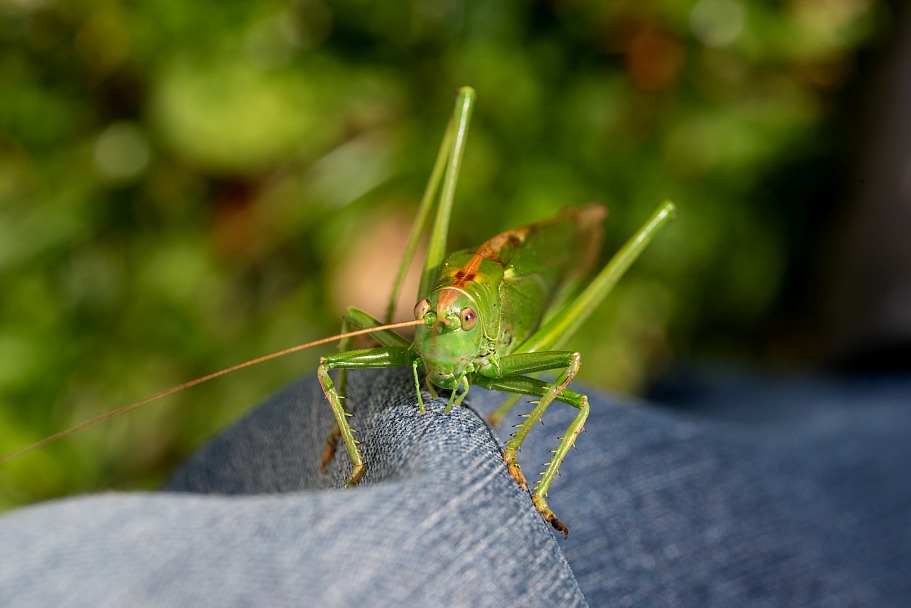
{"x": 184, "y": 186}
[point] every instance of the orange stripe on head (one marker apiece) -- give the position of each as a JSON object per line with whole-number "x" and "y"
{"x": 468, "y": 272}
{"x": 493, "y": 249}
{"x": 447, "y": 297}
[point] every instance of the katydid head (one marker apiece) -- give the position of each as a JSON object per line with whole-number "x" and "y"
{"x": 450, "y": 337}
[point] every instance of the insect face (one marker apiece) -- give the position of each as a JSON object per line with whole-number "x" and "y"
{"x": 450, "y": 338}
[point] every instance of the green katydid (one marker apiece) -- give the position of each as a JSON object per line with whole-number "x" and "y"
{"x": 487, "y": 317}
{"x": 481, "y": 313}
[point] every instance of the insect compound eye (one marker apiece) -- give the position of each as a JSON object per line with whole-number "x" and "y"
{"x": 469, "y": 318}
{"x": 421, "y": 308}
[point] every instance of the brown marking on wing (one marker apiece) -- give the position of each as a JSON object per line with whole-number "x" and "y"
{"x": 501, "y": 247}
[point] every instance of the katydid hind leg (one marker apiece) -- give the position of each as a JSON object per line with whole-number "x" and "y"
{"x": 562, "y": 326}
{"x": 442, "y": 181}
{"x": 420, "y": 220}
{"x": 436, "y": 249}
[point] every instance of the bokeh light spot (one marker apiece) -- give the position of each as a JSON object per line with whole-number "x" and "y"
{"x": 121, "y": 151}
{"x": 717, "y": 23}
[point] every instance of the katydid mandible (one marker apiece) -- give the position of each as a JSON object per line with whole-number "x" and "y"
{"x": 487, "y": 317}
{"x": 491, "y": 315}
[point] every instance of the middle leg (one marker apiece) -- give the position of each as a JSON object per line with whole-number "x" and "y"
{"x": 510, "y": 380}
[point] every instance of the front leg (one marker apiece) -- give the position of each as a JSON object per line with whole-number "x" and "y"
{"x": 509, "y": 380}
{"x": 356, "y": 319}
{"x": 389, "y": 356}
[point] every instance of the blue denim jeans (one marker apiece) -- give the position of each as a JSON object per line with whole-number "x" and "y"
{"x": 749, "y": 492}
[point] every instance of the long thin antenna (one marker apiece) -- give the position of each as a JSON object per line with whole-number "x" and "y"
{"x": 212, "y": 376}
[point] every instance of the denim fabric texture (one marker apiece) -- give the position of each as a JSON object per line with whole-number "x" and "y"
{"x": 749, "y": 491}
